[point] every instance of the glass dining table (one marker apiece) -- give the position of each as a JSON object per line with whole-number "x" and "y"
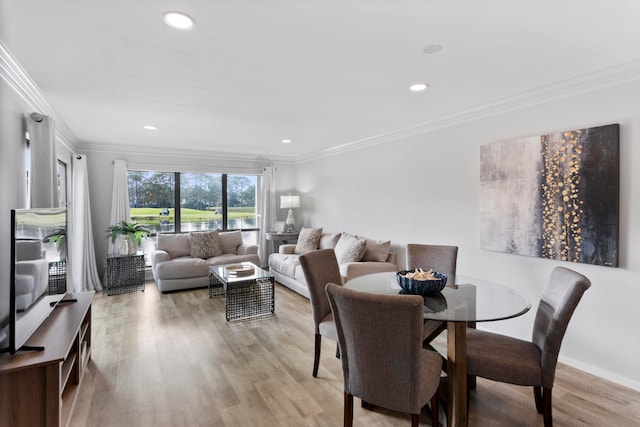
{"x": 464, "y": 300}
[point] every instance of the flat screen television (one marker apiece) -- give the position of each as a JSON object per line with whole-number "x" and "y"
{"x": 38, "y": 274}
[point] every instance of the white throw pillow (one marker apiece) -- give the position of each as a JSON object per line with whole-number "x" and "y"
{"x": 328, "y": 240}
{"x": 350, "y": 248}
{"x": 176, "y": 245}
{"x": 230, "y": 241}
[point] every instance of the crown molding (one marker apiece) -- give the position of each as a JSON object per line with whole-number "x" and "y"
{"x": 22, "y": 84}
{"x": 206, "y": 157}
{"x": 602, "y": 79}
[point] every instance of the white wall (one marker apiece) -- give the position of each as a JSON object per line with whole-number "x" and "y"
{"x": 12, "y": 173}
{"x": 425, "y": 189}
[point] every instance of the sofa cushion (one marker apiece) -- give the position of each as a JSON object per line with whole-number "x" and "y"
{"x": 308, "y": 240}
{"x": 176, "y": 245}
{"x": 230, "y": 241}
{"x": 283, "y": 263}
{"x": 350, "y": 248}
{"x": 234, "y": 259}
{"x": 377, "y": 250}
{"x": 23, "y": 284}
{"x": 28, "y": 250}
{"x": 182, "y": 268}
{"x": 328, "y": 240}
{"x": 298, "y": 274}
{"x": 204, "y": 244}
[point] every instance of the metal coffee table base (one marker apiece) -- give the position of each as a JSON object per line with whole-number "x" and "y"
{"x": 244, "y": 298}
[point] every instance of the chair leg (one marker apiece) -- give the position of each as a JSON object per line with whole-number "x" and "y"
{"x": 316, "y": 356}
{"x": 469, "y": 387}
{"x": 348, "y": 410}
{"x": 415, "y": 420}
{"x": 434, "y": 410}
{"x": 537, "y": 395}
{"x": 546, "y": 402}
{"x": 366, "y": 405}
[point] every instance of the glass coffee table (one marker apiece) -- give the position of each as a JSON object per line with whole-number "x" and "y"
{"x": 248, "y": 289}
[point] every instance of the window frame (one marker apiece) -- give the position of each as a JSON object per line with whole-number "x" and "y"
{"x": 177, "y": 226}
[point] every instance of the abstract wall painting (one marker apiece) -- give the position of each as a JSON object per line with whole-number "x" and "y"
{"x": 553, "y": 196}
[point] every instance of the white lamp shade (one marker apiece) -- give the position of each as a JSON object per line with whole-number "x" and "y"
{"x": 288, "y": 202}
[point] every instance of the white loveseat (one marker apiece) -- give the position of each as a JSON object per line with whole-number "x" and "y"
{"x": 178, "y": 263}
{"x": 377, "y": 257}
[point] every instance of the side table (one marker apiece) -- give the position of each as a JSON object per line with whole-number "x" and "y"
{"x": 57, "y": 277}
{"x": 283, "y": 238}
{"x": 124, "y": 274}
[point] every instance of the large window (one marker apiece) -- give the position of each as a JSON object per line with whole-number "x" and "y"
{"x": 152, "y": 199}
{"x": 173, "y": 202}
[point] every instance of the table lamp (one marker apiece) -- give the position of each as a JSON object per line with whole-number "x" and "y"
{"x": 290, "y": 202}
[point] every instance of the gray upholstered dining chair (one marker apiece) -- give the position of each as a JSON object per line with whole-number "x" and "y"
{"x": 442, "y": 259}
{"x": 531, "y": 363}
{"x": 383, "y": 362}
{"x": 321, "y": 267}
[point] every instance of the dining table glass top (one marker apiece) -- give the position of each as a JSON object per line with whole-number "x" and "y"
{"x": 464, "y": 299}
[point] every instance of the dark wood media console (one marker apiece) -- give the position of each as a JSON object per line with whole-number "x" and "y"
{"x": 39, "y": 388}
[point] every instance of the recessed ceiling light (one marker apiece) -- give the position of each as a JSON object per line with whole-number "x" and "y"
{"x": 418, "y": 87}
{"x": 432, "y": 48}
{"x": 150, "y": 127}
{"x": 286, "y": 141}
{"x": 178, "y": 20}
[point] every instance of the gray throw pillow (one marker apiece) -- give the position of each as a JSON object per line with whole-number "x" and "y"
{"x": 204, "y": 244}
{"x": 308, "y": 240}
{"x": 377, "y": 250}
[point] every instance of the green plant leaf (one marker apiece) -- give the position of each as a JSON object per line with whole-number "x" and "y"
{"x": 131, "y": 229}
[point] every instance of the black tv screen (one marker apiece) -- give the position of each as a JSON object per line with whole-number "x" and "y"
{"x": 38, "y": 273}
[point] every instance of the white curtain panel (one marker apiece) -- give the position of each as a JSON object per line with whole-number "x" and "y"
{"x": 82, "y": 274}
{"x": 44, "y": 163}
{"x": 120, "y": 210}
{"x": 266, "y": 211}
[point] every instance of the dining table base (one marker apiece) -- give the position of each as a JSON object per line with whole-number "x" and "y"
{"x": 457, "y": 409}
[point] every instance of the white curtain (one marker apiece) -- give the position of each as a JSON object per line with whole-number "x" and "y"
{"x": 43, "y": 177}
{"x": 266, "y": 211}
{"x": 119, "y": 199}
{"x": 82, "y": 274}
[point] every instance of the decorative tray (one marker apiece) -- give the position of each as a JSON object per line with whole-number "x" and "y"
{"x": 239, "y": 270}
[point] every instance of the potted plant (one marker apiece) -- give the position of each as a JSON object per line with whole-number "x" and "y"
{"x": 131, "y": 234}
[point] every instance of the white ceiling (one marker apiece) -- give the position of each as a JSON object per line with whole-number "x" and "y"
{"x": 322, "y": 73}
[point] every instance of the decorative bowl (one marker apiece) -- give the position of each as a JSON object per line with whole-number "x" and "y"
{"x": 421, "y": 287}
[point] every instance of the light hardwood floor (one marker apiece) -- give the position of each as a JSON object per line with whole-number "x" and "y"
{"x": 173, "y": 360}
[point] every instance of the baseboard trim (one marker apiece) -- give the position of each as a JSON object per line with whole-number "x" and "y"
{"x": 599, "y": 372}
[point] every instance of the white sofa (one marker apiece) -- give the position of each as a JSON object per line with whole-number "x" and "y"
{"x": 175, "y": 267}
{"x": 285, "y": 265}
{"x": 32, "y": 273}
